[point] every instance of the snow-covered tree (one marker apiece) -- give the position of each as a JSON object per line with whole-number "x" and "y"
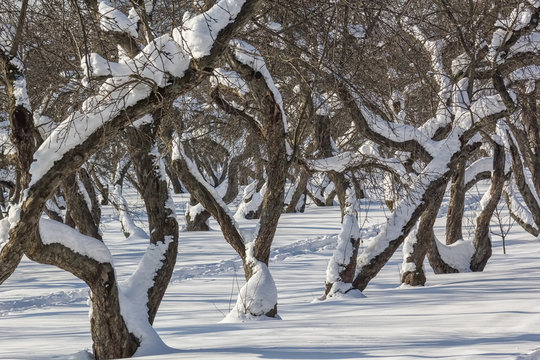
{"x": 148, "y": 68}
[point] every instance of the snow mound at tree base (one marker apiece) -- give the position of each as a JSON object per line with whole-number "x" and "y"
{"x": 235, "y": 317}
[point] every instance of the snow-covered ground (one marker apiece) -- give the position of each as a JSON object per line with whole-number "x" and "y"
{"x": 490, "y": 315}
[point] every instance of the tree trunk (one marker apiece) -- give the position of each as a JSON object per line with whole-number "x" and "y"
{"x": 482, "y": 240}
{"x": 373, "y": 259}
{"x": 110, "y": 335}
{"x": 527, "y": 191}
{"x": 78, "y": 213}
{"x": 103, "y": 188}
{"x": 299, "y": 194}
{"x": 413, "y": 265}
{"x": 175, "y": 182}
{"x": 196, "y": 220}
{"x": 530, "y": 119}
{"x": 162, "y": 222}
{"x": 454, "y": 220}
{"x": 435, "y": 259}
{"x": 10, "y": 257}
{"x": 23, "y": 133}
{"x": 342, "y": 266}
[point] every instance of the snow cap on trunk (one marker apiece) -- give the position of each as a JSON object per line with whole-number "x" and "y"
{"x": 258, "y": 296}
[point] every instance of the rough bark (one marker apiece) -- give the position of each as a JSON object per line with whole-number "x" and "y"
{"x": 23, "y": 138}
{"x": 424, "y": 237}
{"x": 482, "y": 240}
{"x": 109, "y": 331}
{"x": 23, "y": 133}
{"x": 371, "y": 269}
{"x": 277, "y": 164}
{"x": 78, "y": 213}
{"x": 162, "y": 222}
{"x": 454, "y": 219}
{"x": 276, "y": 170}
{"x": 10, "y": 257}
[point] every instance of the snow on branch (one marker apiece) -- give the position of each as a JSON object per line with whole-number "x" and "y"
{"x": 338, "y": 163}
{"x": 178, "y": 152}
{"x": 14, "y": 66}
{"x": 398, "y": 133}
{"x": 478, "y": 167}
{"x": 526, "y": 73}
{"x": 251, "y": 57}
{"x": 20, "y": 92}
{"x": 54, "y": 232}
{"x": 408, "y": 207}
{"x": 113, "y": 20}
{"x": 435, "y": 50}
{"x": 150, "y": 68}
{"x": 484, "y": 107}
{"x": 508, "y": 33}
{"x": 229, "y": 79}
{"x": 529, "y": 43}
{"x": 197, "y": 35}
{"x": 160, "y": 58}
{"x": 517, "y": 210}
{"x": 79, "y": 126}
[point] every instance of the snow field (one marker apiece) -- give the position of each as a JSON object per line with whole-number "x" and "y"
{"x": 488, "y": 315}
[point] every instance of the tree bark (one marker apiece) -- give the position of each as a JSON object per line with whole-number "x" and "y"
{"x": 78, "y": 212}
{"x": 435, "y": 259}
{"x": 162, "y": 222}
{"x": 526, "y": 191}
{"x": 299, "y": 193}
{"x": 454, "y": 220}
{"x": 111, "y": 337}
{"x": 482, "y": 240}
{"x": 530, "y": 119}
{"x": 175, "y": 182}
{"x": 342, "y": 266}
{"x": 199, "y": 222}
{"x": 424, "y": 235}
{"x": 370, "y": 269}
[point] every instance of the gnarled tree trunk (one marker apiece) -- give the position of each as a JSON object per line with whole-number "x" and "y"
{"x": 413, "y": 264}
